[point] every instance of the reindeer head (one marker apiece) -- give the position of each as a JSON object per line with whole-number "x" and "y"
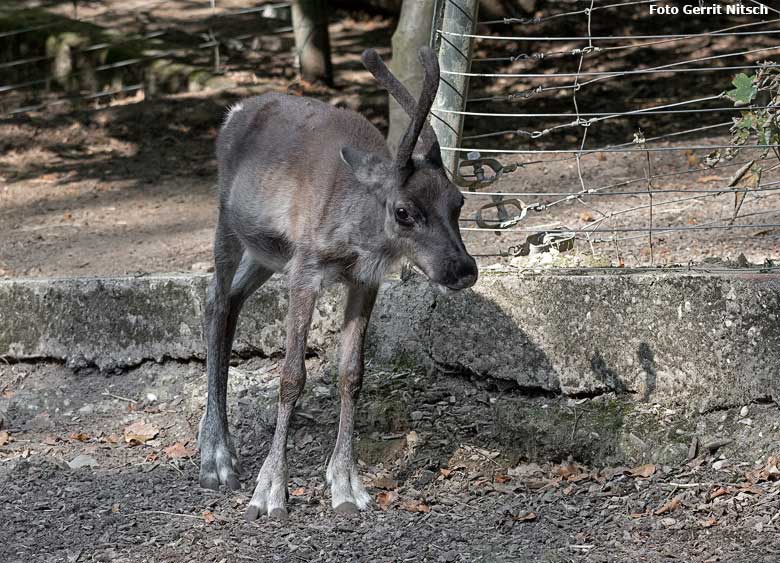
{"x": 422, "y": 206}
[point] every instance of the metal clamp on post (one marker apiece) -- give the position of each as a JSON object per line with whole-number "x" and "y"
{"x": 478, "y": 166}
{"x": 504, "y": 221}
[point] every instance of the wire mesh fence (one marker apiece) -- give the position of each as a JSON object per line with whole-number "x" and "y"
{"x": 591, "y": 127}
{"x": 83, "y": 58}
{"x": 620, "y": 138}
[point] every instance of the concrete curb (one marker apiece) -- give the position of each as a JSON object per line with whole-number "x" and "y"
{"x": 701, "y": 340}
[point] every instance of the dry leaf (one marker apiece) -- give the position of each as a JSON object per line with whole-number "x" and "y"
{"x": 79, "y": 436}
{"x": 670, "y": 506}
{"x": 693, "y": 160}
{"x": 706, "y": 179}
{"x": 770, "y": 471}
{"x": 115, "y": 508}
{"x": 524, "y": 516}
{"x": 445, "y": 472}
{"x": 567, "y": 470}
{"x": 299, "y": 492}
{"x": 750, "y": 490}
{"x": 414, "y": 506}
{"x": 112, "y": 439}
{"x": 502, "y": 478}
{"x": 709, "y": 523}
{"x": 5, "y": 437}
{"x": 7, "y": 394}
{"x": 208, "y": 517}
{"x": 587, "y": 217}
{"x": 719, "y": 492}
{"x": 642, "y": 471}
{"x": 386, "y": 498}
{"x": 178, "y": 451}
{"x": 50, "y": 440}
{"x": 139, "y": 432}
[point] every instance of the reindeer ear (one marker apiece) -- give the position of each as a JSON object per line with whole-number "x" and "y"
{"x": 369, "y": 169}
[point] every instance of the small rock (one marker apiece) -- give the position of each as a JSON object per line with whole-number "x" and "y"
{"x": 746, "y": 421}
{"x": 743, "y": 412}
{"x": 87, "y": 409}
{"x": 668, "y": 522}
{"x": 202, "y": 267}
{"x": 385, "y": 482}
{"x": 82, "y": 460}
{"x": 417, "y": 415}
{"x": 425, "y": 476}
{"x": 720, "y": 464}
{"x": 151, "y": 397}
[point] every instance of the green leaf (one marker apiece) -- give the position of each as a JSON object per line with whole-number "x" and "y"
{"x": 744, "y": 91}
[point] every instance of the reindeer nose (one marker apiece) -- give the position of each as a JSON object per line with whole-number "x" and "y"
{"x": 465, "y": 273}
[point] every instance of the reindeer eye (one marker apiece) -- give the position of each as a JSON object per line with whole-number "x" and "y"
{"x": 402, "y": 216}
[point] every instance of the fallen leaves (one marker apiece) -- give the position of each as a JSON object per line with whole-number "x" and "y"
{"x": 208, "y": 517}
{"x": 178, "y": 451}
{"x": 140, "y": 432}
{"x": 670, "y": 506}
{"x": 5, "y": 438}
{"x": 385, "y": 499}
{"x": 642, "y": 471}
{"x": 709, "y": 522}
{"x": 411, "y": 505}
{"x": 299, "y": 492}
{"x": 708, "y": 179}
{"x": 524, "y": 516}
{"x": 769, "y": 472}
{"x": 79, "y": 436}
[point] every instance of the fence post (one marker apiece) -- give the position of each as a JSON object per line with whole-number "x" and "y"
{"x": 312, "y": 42}
{"x": 457, "y": 17}
{"x": 414, "y": 25}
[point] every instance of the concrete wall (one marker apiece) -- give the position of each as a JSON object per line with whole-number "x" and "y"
{"x": 694, "y": 339}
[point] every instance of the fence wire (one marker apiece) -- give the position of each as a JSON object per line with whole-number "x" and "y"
{"x": 201, "y": 41}
{"x": 662, "y": 206}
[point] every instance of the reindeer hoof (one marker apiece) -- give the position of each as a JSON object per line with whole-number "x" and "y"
{"x": 232, "y": 483}
{"x": 210, "y": 482}
{"x": 347, "y": 508}
{"x": 279, "y": 514}
{"x": 251, "y": 513}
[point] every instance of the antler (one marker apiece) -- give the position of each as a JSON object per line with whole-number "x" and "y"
{"x": 419, "y": 126}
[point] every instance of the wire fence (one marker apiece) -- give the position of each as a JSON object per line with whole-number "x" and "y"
{"x": 710, "y": 107}
{"x": 634, "y": 141}
{"x": 201, "y": 47}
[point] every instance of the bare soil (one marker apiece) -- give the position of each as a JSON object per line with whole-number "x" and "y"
{"x": 452, "y": 477}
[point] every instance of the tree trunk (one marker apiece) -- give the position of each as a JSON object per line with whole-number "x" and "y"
{"x": 312, "y": 43}
{"x": 413, "y": 32}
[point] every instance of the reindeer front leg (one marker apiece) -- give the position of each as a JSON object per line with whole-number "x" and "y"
{"x": 347, "y": 492}
{"x": 270, "y": 494}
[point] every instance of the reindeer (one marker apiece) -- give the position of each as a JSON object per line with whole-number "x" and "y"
{"x": 312, "y": 191}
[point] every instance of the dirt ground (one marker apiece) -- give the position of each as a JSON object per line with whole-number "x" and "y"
{"x": 457, "y": 473}
{"x": 128, "y": 187}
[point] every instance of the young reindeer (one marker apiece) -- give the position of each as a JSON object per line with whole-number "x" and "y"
{"x": 311, "y": 190}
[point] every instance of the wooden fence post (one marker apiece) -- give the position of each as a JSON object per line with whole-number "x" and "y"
{"x": 456, "y": 17}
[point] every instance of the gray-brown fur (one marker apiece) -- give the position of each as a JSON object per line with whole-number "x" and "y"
{"x": 311, "y": 191}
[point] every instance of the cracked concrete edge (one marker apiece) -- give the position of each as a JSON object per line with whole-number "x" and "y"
{"x": 703, "y": 341}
